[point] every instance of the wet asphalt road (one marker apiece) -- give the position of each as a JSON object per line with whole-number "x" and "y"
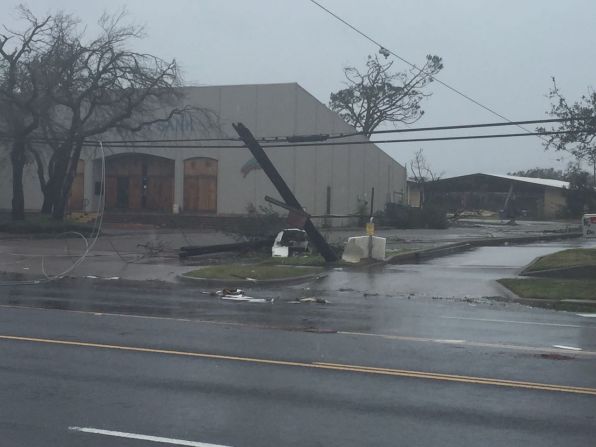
{"x": 242, "y": 374}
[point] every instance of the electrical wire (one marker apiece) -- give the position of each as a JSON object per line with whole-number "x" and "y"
{"x": 326, "y": 136}
{"x": 122, "y": 258}
{"x": 352, "y": 143}
{"x": 444, "y": 84}
{"x": 375, "y": 132}
{"x": 97, "y": 225}
{"x": 88, "y": 246}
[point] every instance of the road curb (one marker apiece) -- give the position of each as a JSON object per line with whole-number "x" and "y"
{"x": 512, "y": 297}
{"x": 456, "y": 247}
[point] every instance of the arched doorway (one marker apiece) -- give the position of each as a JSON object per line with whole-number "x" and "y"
{"x": 200, "y": 185}
{"x": 139, "y": 182}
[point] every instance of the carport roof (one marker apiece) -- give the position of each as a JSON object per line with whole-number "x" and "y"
{"x": 538, "y": 181}
{"x": 493, "y": 182}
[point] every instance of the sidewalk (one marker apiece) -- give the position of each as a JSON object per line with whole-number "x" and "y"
{"x": 139, "y": 252}
{"x": 135, "y": 254}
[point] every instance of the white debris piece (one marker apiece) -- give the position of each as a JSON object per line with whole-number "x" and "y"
{"x": 238, "y": 295}
{"x": 570, "y": 348}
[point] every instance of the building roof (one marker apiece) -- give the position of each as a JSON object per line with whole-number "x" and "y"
{"x": 493, "y": 183}
{"x": 537, "y": 181}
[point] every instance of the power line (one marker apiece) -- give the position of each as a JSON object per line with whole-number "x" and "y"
{"x": 318, "y": 137}
{"x": 330, "y": 136}
{"x": 467, "y": 126}
{"x": 351, "y": 143}
{"x": 444, "y": 84}
{"x": 353, "y": 134}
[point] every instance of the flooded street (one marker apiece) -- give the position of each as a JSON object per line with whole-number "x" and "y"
{"x": 468, "y": 274}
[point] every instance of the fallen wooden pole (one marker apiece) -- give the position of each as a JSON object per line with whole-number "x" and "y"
{"x": 285, "y": 192}
{"x": 197, "y": 250}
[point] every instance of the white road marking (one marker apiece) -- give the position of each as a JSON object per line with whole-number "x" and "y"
{"x": 442, "y": 340}
{"x": 587, "y": 315}
{"x": 121, "y": 434}
{"x": 571, "y": 348}
{"x": 513, "y": 321}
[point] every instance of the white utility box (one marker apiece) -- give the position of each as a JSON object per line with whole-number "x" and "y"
{"x": 357, "y": 248}
{"x": 589, "y": 225}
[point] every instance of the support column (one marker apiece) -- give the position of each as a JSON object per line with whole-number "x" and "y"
{"x": 179, "y": 183}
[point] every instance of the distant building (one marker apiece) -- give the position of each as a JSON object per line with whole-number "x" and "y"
{"x": 228, "y": 181}
{"x": 524, "y": 196}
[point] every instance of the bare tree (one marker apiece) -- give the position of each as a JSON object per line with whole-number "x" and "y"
{"x": 421, "y": 173}
{"x": 21, "y": 98}
{"x": 99, "y": 86}
{"x": 379, "y": 95}
{"x": 579, "y": 129}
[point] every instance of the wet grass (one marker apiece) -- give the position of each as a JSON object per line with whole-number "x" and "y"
{"x": 552, "y": 288}
{"x": 255, "y": 271}
{"x": 567, "y": 258}
{"x": 306, "y": 261}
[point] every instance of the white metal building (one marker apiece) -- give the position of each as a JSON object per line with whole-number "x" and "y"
{"x": 227, "y": 181}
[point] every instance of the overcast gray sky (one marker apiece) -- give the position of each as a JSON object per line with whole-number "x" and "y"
{"x": 501, "y": 53}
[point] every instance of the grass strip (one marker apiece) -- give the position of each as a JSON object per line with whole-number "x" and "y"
{"x": 255, "y": 271}
{"x": 564, "y": 259}
{"x": 552, "y": 288}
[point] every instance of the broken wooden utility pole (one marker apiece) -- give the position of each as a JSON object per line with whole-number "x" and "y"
{"x": 284, "y": 191}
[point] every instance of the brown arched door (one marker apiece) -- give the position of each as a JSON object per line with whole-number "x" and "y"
{"x": 200, "y": 185}
{"x": 139, "y": 182}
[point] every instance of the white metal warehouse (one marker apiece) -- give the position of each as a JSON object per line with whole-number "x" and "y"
{"x": 227, "y": 181}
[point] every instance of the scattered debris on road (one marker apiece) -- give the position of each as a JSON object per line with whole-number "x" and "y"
{"x": 107, "y": 278}
{"x": 555, "y": 357}
{"x": 238, "y": 295}
{"x": 309, "y": 300}
{"x": 570, "y": 348}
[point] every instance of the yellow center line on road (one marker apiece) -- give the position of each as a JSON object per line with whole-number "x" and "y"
{"x": 318, "y": 365}
{"x": 460, "y": 378}
{"x": 469, "y": 343}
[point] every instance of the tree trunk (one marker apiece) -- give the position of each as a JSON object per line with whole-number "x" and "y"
{"x": 48, "y": 202}
{"x": 62, "y": 177}
{"x": 55, "y": 204}
{"x": 17, "y": 159}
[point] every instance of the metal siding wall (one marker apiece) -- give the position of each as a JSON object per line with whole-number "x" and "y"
{"x": 268, "y": 110}
{"x": 276, "y": 110}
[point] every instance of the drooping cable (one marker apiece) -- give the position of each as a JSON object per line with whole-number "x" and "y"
{"x": 95, "y": 232}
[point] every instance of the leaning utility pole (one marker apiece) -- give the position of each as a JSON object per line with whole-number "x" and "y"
{"x": 284, "y": 191}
